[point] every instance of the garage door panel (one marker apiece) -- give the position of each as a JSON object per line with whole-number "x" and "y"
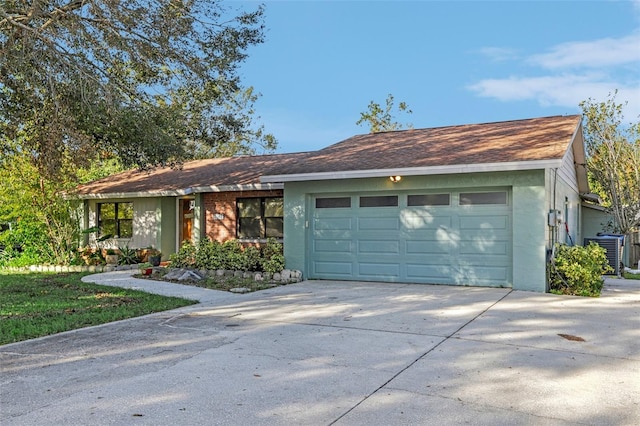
{"x": 381, "y": 247}
{"x": 378, "y": 270}
{"x": 378, "y": 224}
{"x": 333, "y": 268}
{"x": 484, "y": 247}
{"x": 484, "y": 222}
{"x": 416, "y": 220}
{"x": 429, "y": 273}
{"x": 428, "y": 247}
{"x": 333, "y": 223}
{"x": 483, "y": 274}
{"x": 332, "y": 246}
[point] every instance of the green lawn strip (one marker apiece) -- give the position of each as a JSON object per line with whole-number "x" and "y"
{"x": 631, "y": 276}
{"x": 40, "y": 304}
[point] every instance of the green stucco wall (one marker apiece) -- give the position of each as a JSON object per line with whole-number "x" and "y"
{"x": 167, "y": 220}
{"x": 529, "y": 214}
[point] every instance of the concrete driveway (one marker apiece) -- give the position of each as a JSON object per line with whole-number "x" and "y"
{"x": 344, "y": 353}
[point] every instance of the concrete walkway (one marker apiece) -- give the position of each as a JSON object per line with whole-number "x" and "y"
{"x": 345, "y": 353}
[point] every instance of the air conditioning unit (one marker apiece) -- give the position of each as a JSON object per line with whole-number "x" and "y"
{"x": 613, "y": 247}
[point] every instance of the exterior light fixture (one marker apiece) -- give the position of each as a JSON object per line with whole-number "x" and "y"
{"x": 395, "y": 179}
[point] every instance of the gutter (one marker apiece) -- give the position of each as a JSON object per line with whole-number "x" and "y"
{"x": 416, "y": 171}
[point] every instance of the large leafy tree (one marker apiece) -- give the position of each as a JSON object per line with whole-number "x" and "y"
{"x": 613, "y": 160}
{"x": 147, "y": 81}
{"x": 381, "y": 119}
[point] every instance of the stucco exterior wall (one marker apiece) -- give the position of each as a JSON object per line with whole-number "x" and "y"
{"x": 147, "y": 217}
{"x": 529, "y": 214}
{"x": 219, "y": 209}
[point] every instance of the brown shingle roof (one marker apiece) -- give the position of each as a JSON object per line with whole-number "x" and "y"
{"x": 218, "y": 172}
{"x": 546, "y": 138}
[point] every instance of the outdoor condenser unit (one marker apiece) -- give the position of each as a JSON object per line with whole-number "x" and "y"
{"x": 613, "y": 246}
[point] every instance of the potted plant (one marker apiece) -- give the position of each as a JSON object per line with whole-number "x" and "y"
{"x": 145, "y": 268}
{"x": 155, "y": 257}
{"x": 112, "y": 257}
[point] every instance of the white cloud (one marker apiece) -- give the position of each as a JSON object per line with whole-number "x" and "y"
{"x": 605, "y": 52}
{"x": 573, "y": 72}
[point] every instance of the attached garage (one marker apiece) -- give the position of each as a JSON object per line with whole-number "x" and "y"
{"x": 446, "y": 237}
{"x": 467, "y": 205}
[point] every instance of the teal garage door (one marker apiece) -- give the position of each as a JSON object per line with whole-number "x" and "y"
{"x": 459, "y": 237}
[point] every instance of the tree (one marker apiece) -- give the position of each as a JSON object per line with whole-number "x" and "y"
{"x": 613, "y": 160}
{"x": 381, "y": 120}
{"x": 145, "y": 81}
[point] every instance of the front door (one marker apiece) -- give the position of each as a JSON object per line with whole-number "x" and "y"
{"x": 186, "y": 219}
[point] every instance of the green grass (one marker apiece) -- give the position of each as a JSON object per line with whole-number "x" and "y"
{"x": 40, "y": 304}
{"x": 631, "y": 276}
{"x": 220, "y": 283}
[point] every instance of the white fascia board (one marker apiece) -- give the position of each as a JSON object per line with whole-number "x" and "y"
{"x": 417, "y": 171}
{"x": 179, "y": 192}
{"x": 238, "y": 188}
{"x": 143, "y": 194}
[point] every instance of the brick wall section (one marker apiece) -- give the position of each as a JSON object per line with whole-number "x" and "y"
{"x": 224, "y": 203}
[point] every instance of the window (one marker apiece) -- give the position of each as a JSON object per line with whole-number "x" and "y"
{"x": 116, "y": 219}
{"x": 379, "y": 201}
{"x": 260, "y": 217}
{"x": 428, "y": 200}
{"x": 333, "y": 203}
{"x": 477, "y": 198}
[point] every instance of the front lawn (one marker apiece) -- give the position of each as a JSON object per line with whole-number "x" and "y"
{"x": 39, "y": 304}
{"x": 631, "y": 276}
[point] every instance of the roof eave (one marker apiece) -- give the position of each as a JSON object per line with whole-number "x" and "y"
{"x": 178, "y": 192}
{"x": 416, "y": 171}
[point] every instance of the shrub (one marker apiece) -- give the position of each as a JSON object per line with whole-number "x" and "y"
{"x": 26, "y": 244}
{"x": 229, "y": 255}
{"x": 232, "y": 255}
{"x": 578, "y": 270}
{"x": 251, "y": 259}
{"x": 272, "y": 259}
{"x": 209, "y": 255}
{"x": 185, "y": 257}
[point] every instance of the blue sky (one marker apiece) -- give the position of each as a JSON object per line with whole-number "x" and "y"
{"x": 452, "y": 62}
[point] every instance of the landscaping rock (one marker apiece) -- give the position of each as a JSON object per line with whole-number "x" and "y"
{"x": 174, "y": 274}
{"x": 276, "y": 277}
{"x": 240, "y": 290}
{"x": 258, "y": 277}
{"x": 238, "y": 274}
{"x": 285, "y": 275}
{"x": 220, "y": 273}
{"x": 190, "y": 276}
